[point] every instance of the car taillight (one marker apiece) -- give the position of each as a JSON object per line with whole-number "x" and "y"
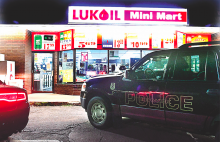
{"x": 8, "y": 96}
{"x": 13, "y": 96}
{"x": 21, "y": 96}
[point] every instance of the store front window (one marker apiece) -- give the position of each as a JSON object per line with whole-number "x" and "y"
{"x": 90, "y": 63}
{"x": 43, "y": 72}
{"x": 145, "y": 52}
{"x": 65, "y": 66}
{"x": 122, "y": 57}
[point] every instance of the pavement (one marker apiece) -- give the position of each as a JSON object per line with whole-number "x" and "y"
{"x": 51, "y": 99}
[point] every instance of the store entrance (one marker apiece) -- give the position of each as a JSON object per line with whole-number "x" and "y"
{"x": 42, "y": 72}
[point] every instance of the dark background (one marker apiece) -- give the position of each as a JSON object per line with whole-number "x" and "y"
{"x": 200, "y": 12}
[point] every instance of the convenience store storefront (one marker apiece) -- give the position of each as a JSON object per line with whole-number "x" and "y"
{"x": 62, "y": 60}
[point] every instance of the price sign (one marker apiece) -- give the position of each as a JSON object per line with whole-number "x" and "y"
{"x": 137, "y": 40}
{"x": 85, "y": 44}
{"x": 66, "y": 40}
{"x": 118, "y": 43}
{"x": 111, "y": 40}
{"x": 168, "y": 41}
{"x": 85, "y": 40}
{"x": 48, "y": 46}
{"x": 44, "y": 42}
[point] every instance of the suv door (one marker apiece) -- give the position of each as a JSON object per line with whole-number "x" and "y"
{"x": 192, "y": 89}
{"x": 143, "y": 95}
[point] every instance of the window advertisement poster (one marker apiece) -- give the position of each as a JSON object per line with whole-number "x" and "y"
{"x": 180, "y": 37}
{"x": 44, "y": 41}
{"x": 137, "y": 40}
{"x": 66, "y": 67}
{"x": 112, "y": 40}
{"x": 67, "y": 75}
{"x": 84, "y": 56}
{"x": 11, "y": 70}
{"x": 156, "y": 40}
{"x": 184, "y": 38}
{"x": 66, "y": 40}
{"x": 85, "y": 39}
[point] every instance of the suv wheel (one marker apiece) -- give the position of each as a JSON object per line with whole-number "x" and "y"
{"x": 99, "y": 112}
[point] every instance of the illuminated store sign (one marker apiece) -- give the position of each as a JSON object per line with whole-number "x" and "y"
{"x": 192, "y": 38}
{"x": 79, "y": 14}
{"x": 137, "y": 40}
{"x": 66, "y": 40}
{"x": 43, "y": 41}
{"x": 168, "y": 41}
{"x": 111, "y": 40}
{"x": 84, "y": 39}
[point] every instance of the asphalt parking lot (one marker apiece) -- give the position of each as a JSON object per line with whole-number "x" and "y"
{"x": 70, "y": 124}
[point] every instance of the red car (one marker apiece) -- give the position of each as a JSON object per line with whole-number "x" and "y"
{"x": 14, "y": 110}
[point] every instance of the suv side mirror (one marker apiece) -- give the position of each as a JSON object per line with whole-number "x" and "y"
{"x": 129, "y": 74}
{"x": 122, "y": 67}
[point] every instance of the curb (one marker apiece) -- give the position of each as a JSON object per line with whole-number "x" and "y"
{"x": 55, "y": 103}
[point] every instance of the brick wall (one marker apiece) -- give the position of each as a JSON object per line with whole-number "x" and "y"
{"x": 67, "y": 89}
{"x": 13, "y": 45}
{"x": 28, "y": 63}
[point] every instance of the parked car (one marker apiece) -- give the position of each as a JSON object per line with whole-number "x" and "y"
{"x": 176, "y": 87}
{"x": 14, "y": 110}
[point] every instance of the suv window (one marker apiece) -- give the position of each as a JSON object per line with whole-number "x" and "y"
{"x": 190, "y": 65}
{"x": 211, "y": 67}
{"x": 153, "y": 67}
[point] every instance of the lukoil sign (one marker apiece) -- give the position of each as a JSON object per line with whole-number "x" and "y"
{"x": 78, "y": 14}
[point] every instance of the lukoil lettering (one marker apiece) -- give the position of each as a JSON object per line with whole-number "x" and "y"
{"x": 96, "y": 15}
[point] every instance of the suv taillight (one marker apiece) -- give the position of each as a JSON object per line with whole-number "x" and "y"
{"x": 13, "y": 96}
{"x": 83, "y": 87}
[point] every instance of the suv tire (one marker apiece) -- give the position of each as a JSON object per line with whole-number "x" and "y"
{"x": 99, "y": 112}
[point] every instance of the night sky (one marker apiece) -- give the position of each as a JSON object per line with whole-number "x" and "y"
{"x": 200, "y": 12}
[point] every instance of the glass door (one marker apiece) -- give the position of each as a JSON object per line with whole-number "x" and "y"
{"x": 42, "y": 72}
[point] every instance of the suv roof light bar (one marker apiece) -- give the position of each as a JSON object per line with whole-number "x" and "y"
{"x": 184, "y": 46}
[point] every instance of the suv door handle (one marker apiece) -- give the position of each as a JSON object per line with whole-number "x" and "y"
{"x": 212, "y": 91}
{"x": 153, "y": 88}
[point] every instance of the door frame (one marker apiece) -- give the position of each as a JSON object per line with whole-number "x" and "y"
{"x": 32, "y": 73}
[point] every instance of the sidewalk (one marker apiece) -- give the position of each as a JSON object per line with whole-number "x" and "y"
{"x": 50, "y": 99}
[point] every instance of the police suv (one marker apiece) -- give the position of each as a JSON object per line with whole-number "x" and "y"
{"x": 177, "y": 87}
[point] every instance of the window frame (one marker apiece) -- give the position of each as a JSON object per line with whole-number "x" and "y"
{"x": 58, "y": 70}
{"x": 148, "y": 56}
{"x": 86, "y": 49}
{"x": 172, "y": 72}
{"x": 216, "y": 64}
